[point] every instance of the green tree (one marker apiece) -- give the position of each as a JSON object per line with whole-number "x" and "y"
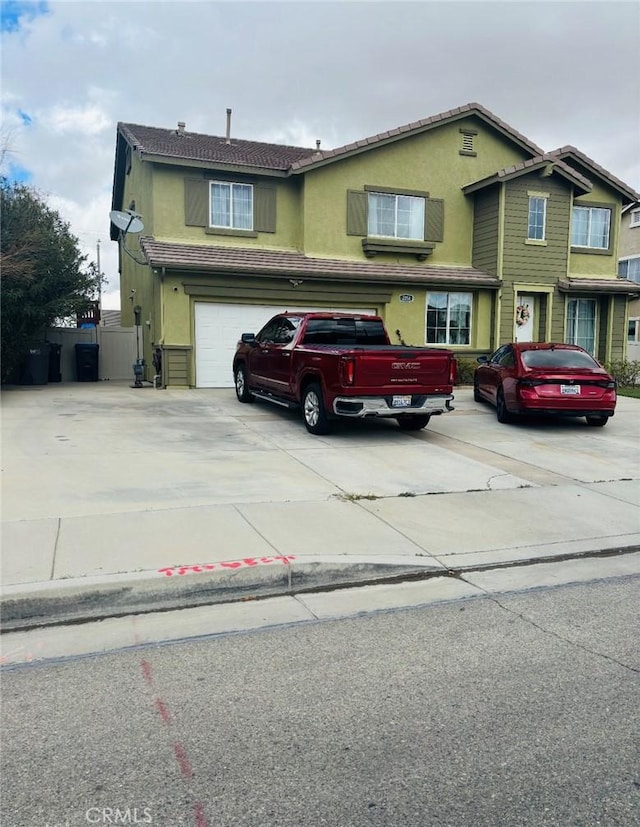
{"x": 44, "y": 275}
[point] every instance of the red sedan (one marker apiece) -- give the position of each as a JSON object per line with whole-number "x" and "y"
{"x": 543, "y": 378}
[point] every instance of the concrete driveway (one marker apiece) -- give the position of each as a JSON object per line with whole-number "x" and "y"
{"x": 103, "y": 481}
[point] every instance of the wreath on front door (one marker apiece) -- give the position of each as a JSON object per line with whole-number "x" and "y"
{"x": 523, "y": 314}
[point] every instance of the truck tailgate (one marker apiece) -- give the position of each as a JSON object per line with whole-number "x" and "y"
{"x": 397, "y": 370}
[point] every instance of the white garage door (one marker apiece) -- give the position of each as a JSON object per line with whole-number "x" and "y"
{"x": 218, "y": 328}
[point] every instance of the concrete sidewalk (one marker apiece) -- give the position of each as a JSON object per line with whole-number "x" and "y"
{"x": 118, "y": 500}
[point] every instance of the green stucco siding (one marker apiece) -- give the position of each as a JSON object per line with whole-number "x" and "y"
{"x": 428, "y": 162}
{"x": 171, "y": 221}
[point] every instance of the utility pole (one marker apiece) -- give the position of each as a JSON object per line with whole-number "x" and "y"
{"x": 101, "y": 323}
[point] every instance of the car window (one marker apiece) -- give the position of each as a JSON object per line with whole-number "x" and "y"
{"x": 268, "y": 332}
{"x": 507, "y": 359}
{"x": 345, "y": 331}
{"x": 495, "y": 357}
{"x": 559, "y": 358}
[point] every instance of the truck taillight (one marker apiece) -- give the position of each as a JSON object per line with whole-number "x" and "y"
{"x": 453, "y": 372}
{"x": 348, "y": 370}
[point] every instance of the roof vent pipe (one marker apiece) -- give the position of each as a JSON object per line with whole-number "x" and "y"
{"x": 228, "y": 138}
{"x": 181, "y": 126}
{"x": 318, "y": 144}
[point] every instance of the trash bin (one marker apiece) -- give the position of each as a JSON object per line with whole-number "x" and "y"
{"x": 87, "y": 362}
{"x": 55, "y": 373}
{"x": 35, "y": 370}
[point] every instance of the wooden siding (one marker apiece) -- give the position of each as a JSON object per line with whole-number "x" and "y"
{"x": 175, "y": 362}
{"x": 558, "y": 316}
{"x": 485, "y": 231}
{"x": 619, "y": 328}
{"x": 602, "y": 326}
{"x": 543, "y": 264}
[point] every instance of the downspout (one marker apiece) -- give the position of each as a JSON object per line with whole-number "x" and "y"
{"x": 499, "y": 266}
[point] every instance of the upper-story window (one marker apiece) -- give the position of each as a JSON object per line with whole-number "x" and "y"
{"x": 396, "y": 216}
{"x": 537, "y": 218}
{"x": 590, "y": 227}
{"x": 634, "y": 218}
{"x": 231, "y": 205}
{"x": 629, "y": 268}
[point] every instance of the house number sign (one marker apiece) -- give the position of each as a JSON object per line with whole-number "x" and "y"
{"x": 406, "y": 297}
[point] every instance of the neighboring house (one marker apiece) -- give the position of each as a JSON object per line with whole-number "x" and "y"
{"x": 629, "y": 268}
{"x": 457, "y": 230}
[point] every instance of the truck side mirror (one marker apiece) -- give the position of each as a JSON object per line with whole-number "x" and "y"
{"x": 248, "y": 338}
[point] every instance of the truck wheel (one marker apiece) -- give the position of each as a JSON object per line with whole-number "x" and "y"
{"x": 313, "y": 412}
{"x": 413, "y": 423}
{"x": 242, "y": 391}
{"x": 476, "y": 391}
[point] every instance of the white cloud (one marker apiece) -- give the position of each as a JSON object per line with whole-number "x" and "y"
{"x": 295, "y": 72}
{"x": 83, "y": 120}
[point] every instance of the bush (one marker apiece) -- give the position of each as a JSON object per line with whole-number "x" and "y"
{"x": 466, "y": 368}
{"x": 626, "y": 374}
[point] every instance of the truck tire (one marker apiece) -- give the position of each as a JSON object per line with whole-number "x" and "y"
{"x": 313, "y": 411}
{"x": 413, "y": 423}
{"x": 240, "y": 381}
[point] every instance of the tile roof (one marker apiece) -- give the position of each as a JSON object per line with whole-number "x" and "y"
{"x": 193, "y": 146}
{"x": 539, "y": 162}
{"x": 588, "y": 285}
{"x": 274, "y": 263}
{"x": 419, "y": 126}
{"x": 571, "y": 152}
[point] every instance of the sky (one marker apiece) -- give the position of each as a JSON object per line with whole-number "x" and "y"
{"x": 293, "y": 72}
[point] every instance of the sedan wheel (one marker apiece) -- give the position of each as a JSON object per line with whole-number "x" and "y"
{"x": 597, "y": 421}
{"x": 502, "y": 413}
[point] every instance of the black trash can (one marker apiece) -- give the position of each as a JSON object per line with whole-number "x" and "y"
{"x": 55, "y": 372}
{"x": 35, "y": 370}
{"x": 87, "y": 362}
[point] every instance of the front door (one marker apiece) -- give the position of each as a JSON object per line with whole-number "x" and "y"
{"x": 524, "y": 318}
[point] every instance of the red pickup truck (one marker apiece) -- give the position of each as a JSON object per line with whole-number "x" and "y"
{"x": 339, "y": 365}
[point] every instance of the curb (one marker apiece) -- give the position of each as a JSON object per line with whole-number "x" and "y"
{"x": 81, "y": 600}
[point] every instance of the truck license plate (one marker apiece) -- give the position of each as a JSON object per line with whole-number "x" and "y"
{"x": 570, "y": 390}
{"x": 401, "y": 402}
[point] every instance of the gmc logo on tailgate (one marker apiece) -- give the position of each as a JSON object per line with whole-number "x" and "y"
{"x": 405, "y": 365}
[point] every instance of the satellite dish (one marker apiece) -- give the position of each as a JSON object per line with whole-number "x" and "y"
{"x": 127, "y": 221}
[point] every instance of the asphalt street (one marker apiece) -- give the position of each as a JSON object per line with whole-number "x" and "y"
{"x": 506, "y": 710}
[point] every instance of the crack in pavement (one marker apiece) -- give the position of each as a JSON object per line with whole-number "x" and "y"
{"x": 556, "y": 635}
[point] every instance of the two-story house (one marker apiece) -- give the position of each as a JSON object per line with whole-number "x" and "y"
{"x": 629, "y": 268}
{"x": 456, "y": 229}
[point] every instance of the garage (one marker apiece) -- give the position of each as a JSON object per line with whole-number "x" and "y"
{"x": 218, "y": 328}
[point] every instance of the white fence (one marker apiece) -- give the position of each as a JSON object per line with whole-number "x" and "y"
{"x": 116, "y": 354}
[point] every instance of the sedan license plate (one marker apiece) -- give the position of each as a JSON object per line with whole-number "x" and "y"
{"x": 570, "y": 390}
{"x": 401, "y": 402}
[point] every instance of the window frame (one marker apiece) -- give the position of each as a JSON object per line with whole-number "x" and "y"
{"x": 589, "y": 208}
{"x": 573, "y": 340}
{"x": 543, "y": 197}
{"x": 232, "y": 185}
{"x": 635, "y": 338}
{"x": 421, "y": 197}
{"x": 448, "y": 328}
{"x": 634, "y": 218}
{"x": 627, "y": 260}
